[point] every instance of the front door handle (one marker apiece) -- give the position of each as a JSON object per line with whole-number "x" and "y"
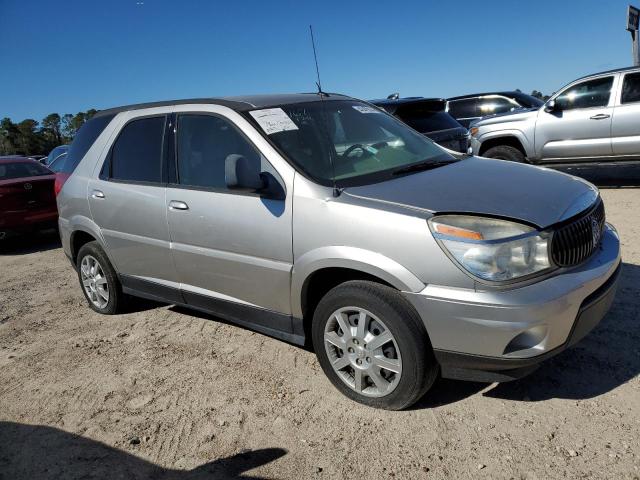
{"x": 178, "y": 205}
{"x": 97, "y": 194}
{"x": 600, "y": 116}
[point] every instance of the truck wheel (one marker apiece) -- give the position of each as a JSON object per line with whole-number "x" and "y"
{"x": 373, "y": 346}
{"x": 505, "y": 152}
{"x": 99, "y": 280}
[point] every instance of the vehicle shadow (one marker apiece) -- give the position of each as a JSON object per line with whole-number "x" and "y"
{"x": 612, "y": 175}
{"x": 41, "y": 452}
{"x": 605, "y": 359}
{"x": 30, "y": 243}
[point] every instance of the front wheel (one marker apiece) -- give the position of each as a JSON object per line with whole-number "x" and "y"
{"x": 505, "y": 152}
{"x": 373, "y": 346}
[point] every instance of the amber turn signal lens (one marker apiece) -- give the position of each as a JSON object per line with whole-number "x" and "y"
{"x": 457, "y": 232}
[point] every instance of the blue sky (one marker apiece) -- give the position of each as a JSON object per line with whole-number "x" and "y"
{"x": 66, "y": 56}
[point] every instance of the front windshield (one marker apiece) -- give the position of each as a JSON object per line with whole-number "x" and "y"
{"x": 366, "y": 145}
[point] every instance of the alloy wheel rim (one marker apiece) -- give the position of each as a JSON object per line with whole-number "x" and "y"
{"x": 94, "y": 281}
{"x": 363, "y": 352}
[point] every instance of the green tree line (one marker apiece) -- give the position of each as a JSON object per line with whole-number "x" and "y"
{"x": 30, "y": 137}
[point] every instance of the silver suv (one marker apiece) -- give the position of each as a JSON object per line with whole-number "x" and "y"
{"x": 593, "y": 119}
{"x": 324, "y": 219}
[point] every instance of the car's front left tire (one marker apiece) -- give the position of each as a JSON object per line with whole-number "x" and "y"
{"x": 373, "y": 346}
{"x": 99, "y": 280}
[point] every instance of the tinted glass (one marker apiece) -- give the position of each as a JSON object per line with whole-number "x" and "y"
{"x": 493, "y": 105}
{"x": 22, "y": 170}
{"x": 430, "y": 121}
{"x": 57, "y": 163}
{"x": 592, "y": 93}
{"x": 466, "y": 108}
{"x": 349, "y": 141}
{"x": 527, "y": 101}
{"x": 56, "y": 152}
{"x": 204, "y": 143}
{"x": 631, "y": 88}
{"x": 84, "y": 138}
{"x": 137, "y": 153}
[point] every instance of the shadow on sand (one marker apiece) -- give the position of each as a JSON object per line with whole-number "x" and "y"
{"x": 30, "y": 243}
{"x": 37, "y": 452}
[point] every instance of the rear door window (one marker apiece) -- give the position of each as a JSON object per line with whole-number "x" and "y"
{"x": 136, "y": 155}
{"x": 465, "y": 108}
{"x": 631, "y": 88}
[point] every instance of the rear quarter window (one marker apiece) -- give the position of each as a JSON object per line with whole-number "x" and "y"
{"x": 465, "y": 108}
{"x": 85, "y": 137}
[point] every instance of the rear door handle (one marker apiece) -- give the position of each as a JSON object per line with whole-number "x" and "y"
{"x": 178, "y": 205}
{"x": 97, "y": 194}
{"x": 600, "y": 116}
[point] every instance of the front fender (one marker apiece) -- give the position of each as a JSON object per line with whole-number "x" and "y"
{"x": 365, "y": 261}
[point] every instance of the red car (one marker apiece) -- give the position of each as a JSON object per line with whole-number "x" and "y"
{"x": 27, "y": 196}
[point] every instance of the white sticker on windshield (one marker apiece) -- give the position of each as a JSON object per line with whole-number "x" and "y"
{"x": 273, "y": 120}
{"x": 366, "y": 109}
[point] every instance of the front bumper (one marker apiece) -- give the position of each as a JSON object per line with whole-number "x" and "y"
{"x": 499, "y": 335}
{"x": 475, "y": 145}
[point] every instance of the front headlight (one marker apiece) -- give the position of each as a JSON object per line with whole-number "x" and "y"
{"x": 492, "y": 249}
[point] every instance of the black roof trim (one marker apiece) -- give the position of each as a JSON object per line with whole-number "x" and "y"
{"x": 504, "y": 93}
{"x": 615, "y": 70}
{"x": 238, "y": 103}
{"x": 405, "y": 100}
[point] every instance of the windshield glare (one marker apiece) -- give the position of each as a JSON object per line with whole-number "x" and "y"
{"x": 366, "y": 144}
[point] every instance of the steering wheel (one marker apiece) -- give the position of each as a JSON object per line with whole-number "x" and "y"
{"x": 353, "y": 147}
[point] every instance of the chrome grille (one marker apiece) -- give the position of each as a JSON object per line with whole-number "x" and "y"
{"x": 575, "y": 242}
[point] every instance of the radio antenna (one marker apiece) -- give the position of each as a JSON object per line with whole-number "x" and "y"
{"x": 315, "y": 58}
{"x": 336, "y": 190}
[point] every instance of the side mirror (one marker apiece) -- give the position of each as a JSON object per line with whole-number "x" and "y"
{"x": 550, "y": 106}
{"x": 241, "y": 173}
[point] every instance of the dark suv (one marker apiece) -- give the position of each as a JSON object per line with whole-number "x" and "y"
{"x": 428, "y": 116}
{"x": 467, "y": 108}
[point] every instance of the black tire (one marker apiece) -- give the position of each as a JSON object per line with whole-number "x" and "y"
{"x": 419, "y": 366}
{"x": 116, "y": 301}
{"x": 505, "y": 152}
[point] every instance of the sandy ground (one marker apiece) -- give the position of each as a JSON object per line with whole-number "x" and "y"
{"x": 164, "y": 393}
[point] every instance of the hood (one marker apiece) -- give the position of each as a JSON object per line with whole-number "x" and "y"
{"x": 500, "y": 188}
{"x": 515, "y": 116}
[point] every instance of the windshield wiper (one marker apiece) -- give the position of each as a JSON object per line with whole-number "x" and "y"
{"x": 422, "y": 166}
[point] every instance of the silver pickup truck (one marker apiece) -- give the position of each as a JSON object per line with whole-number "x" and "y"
{"x": 593, "y": 119}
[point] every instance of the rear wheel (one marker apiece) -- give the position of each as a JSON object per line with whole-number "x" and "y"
{"x": 505, "y": 152}
{"x": 99, "y": 280}
{"x": 373, "y": 346}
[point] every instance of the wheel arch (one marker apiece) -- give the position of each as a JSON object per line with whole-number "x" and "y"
{"x": 82, "y": 231}
{"x": 512, "y": 138}
{"x": 330, "y": 266}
